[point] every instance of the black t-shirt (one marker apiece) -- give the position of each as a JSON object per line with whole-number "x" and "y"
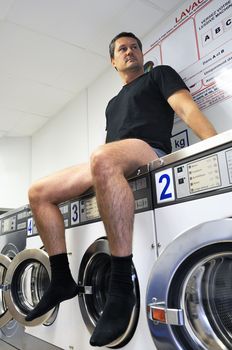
{"x": 140, "y": 110}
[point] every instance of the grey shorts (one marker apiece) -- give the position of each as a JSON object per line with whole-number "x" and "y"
{"x": 159, "y": 152}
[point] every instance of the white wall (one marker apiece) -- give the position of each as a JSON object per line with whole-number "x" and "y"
{"x": 99, "y": 94}
{"x": 15, "y": 170}
{"x": 63, "y": 141}
{"x": 70, "y": 137}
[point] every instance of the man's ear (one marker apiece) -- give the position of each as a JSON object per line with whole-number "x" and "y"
{"x": 113, "y": 63}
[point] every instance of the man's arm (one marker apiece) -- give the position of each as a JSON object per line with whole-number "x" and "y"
{"x": 185, "y": 107}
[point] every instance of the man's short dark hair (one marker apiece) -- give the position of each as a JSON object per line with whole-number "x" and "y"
{"x": 122, "y": 35}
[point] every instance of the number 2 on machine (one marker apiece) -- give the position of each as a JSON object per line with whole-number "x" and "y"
{"x": 164, "y": 186}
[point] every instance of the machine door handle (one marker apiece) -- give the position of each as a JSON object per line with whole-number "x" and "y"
{"x": 159, "y": 313}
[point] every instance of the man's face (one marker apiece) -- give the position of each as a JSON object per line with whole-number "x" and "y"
{"x": 127, "y": 55}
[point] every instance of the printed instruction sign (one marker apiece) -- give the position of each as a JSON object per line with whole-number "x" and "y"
{"x": 197, "y": 42}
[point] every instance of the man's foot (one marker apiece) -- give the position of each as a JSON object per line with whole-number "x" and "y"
{"x": 51, "y": 298}
{"x": 119, "y": 305}
{"x": 62, "y": 287}
{"x": 114, "y": 320}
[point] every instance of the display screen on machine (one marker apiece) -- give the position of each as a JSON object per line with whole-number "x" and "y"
{"x": 204, "y": 174}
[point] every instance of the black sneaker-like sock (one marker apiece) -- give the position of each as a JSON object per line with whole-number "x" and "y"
{"x": 62, "y": 287}
{"x": 119, "y": 305}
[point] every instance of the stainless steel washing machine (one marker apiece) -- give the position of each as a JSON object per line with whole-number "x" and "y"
{"x": 13, "y": 228}
{"x": 90, "y": 263}
{"x": 26, "y": 280}
{"x": 52, "y": 328}
{"x": 189, "y": 291}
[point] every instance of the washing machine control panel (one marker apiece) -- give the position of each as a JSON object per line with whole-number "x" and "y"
{"x": 31, "y": 226}
{"x": 195, "y": 176}
{"x": 14, "y": 220}
{"x": 205, "y": 174}
{"x": 64, "y": 209}
{"x": 141, "y": 188}
{"x": 89, "y": 209}
{"x": 85, "y": 210}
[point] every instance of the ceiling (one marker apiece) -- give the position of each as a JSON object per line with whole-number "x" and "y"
{"x": 50, "y": 50}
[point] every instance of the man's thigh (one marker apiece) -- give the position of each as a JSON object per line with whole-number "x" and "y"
{"x": 130, "y": 154}
{"x": 65, "y": 184}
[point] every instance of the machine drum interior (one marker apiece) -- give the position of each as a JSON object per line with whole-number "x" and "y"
{"x": 206, "y": 298}
{"x": 98, "y": 277}
{"x": 29, "y": 284}
{"x": 28, "y": 277}
{"x": 94, "y": 272}
{"x": 220, "y": 297}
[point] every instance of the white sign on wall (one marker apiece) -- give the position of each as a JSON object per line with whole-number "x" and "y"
{"x": 197, "y": 41}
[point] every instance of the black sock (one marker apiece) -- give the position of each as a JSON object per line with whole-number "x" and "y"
{"x": 119, "y": 305}
{"x": 62, "y": 287}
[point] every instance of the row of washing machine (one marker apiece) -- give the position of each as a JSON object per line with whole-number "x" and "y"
{"x": 182, "y": 259}
{"x": 12, "y": 241}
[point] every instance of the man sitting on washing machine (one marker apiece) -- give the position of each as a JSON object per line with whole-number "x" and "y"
{"x": 139, "y": 122}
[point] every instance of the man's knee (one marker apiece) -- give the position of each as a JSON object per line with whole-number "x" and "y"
{"x": 35, "y": 194}
{"x": 102, "y": 162}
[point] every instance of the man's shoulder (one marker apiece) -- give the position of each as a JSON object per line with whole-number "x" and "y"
{"x": 162, "y": 68}
{"x": 120, "y": 93}
{"x": 163, "y": 72}
{"x": 112, "y": 101}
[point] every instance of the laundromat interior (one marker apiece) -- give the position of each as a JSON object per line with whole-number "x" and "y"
{"x": 56, "y": 82}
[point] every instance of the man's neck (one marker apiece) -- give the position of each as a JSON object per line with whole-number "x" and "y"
{"x": 128, "y": 77}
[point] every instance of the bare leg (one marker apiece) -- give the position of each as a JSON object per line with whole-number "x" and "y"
{"x": 44, "y": 197}
{"x": 110, "y": 164}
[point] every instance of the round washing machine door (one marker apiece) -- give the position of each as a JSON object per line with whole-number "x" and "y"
{"x": 10, "y": 250}
{"x": 5, "y": 315}
{"x": 27, "y": 278}
{"x": 189, "y": 293}
{"x": 8, "y": 253}
{"x": 94, "y": 274}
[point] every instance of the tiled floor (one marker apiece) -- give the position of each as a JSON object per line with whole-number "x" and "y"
{"x": 26, "y": 343}
{"x": 20, "y": 340}
{"x": 5, "y": 346}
